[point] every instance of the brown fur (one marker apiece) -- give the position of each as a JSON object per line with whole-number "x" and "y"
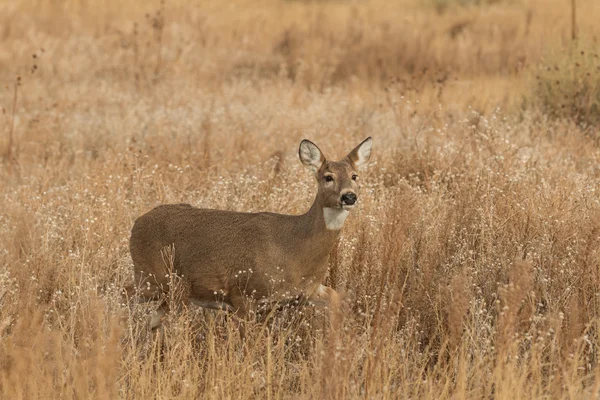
{"x": 233, "y": 259}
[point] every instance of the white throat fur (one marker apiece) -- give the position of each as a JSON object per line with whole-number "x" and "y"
{"x": 335, "y": 217}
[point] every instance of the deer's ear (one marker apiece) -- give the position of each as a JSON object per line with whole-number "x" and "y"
{"x": 359, "y": 157}
{"x": 311, "y": 156}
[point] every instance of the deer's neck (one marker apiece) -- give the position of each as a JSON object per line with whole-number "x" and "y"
{"x": 324, "y": 221}
{"x": 316, "y": 239}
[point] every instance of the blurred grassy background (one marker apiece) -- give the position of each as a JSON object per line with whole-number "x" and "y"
{"x": 471, "y": 266}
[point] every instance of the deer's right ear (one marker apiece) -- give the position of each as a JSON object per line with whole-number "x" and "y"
{"x": 311, "y": 156}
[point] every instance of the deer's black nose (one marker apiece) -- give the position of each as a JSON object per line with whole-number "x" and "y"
{"x": 348, "y": 199}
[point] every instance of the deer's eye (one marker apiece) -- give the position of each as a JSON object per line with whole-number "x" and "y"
{"x": 328, "y": 178}
{"x": 354, "y": 177}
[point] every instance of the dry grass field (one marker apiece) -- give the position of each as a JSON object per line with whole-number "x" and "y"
{"x": 471, "y": 268}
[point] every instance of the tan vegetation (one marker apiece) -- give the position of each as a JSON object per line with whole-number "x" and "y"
{"x": 568, "y": 86}
{"x": 470, "y": 268}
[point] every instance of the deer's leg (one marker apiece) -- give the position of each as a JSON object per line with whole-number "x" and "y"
{"x": 326, "y": 295}
{"x": 147, "y": 287}
{"x": 244, "y": 307}
{"x": 156, "y": 318}
{"x": 149, "y": 291}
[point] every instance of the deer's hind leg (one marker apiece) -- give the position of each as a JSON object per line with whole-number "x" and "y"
{"x": 146, "y": 293}
{"x": 149, "y": 289}
{"x": 244, "y": 308}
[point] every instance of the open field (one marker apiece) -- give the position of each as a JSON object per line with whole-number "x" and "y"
{"x": 471, "y": 267}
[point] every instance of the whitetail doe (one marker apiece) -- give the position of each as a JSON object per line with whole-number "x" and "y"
{"x": 235, "y": 260}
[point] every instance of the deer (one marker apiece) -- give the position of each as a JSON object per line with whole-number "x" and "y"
{"x": 235, "y": 261}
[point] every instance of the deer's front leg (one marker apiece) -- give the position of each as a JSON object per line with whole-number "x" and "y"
{"x": 324, "y": 295}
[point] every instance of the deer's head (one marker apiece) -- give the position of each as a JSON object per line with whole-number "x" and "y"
{"x": 338, "y": 180}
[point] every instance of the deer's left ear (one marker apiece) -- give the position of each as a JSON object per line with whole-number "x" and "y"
{"x": 361, "y": 154}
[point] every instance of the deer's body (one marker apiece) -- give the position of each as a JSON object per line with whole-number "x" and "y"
{"x": 259, "y": 260}
{"x": 230, "y": 258}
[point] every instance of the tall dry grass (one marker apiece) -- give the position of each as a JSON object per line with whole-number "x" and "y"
{"x": 471, "y": 267}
